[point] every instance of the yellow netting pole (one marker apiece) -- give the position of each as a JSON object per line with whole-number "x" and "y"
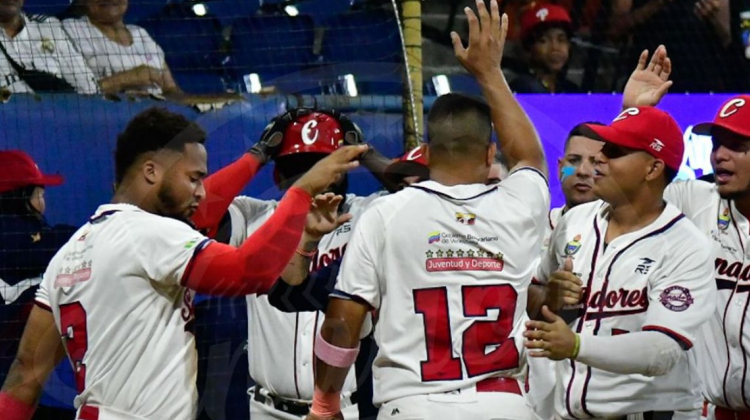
{"x": 411, "y": 21}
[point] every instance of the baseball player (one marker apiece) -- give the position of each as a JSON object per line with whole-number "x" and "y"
{"x": 119, "y": 293}
{"x": 446, "y": 262}
{"x": 637, "y": 275}
{"x": 281, "y": 337}
{"x": 721, "y": 212}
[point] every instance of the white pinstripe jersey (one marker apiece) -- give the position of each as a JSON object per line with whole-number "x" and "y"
{"x": 725, "y": 349}
{"x": 652, "y": 279}
{"x": 280, "y": 344}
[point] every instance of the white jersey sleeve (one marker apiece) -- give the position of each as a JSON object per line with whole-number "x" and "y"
{"x": 247, "y": 215}
{"x": 682, "y": 195}
{"x": 358, "y": 277}
{"x": 682, "y": 299}
{"x": 166, "y": 248}
{"x": 530, "y": 187}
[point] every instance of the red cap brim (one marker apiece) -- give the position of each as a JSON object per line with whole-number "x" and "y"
{"x": 50, "y": 180}
{"x": 608, "y": 134}
{"x": 707, "y": 129}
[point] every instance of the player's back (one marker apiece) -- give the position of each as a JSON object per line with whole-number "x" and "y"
{"x": 115, "y": 293}
{"x": 453, "y": 266}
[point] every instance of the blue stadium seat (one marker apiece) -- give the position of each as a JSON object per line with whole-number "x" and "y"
{"x": 45, "y": 7}
{"x": 275, "y": 47}
{"x": 229, "y": 10}
{"x": 139, "y": 10}
{"x": 322, "y": 9}
{"x": 192, "y": 46}
{"x": 366, "y": 44}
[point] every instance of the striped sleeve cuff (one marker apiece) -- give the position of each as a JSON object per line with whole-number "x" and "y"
{"x": 683, "y": 341}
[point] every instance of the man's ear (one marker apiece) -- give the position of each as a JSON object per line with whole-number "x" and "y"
{"x": 655, "y": 170}
{"x": 491, "y": 152}
{"x": 151, "y": 171}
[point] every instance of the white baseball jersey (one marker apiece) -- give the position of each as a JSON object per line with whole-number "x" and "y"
{"x": 725, "y": 348}
{"x": 280, "y": 344}
{"x": 43, "y": 45}
{"x": 552, "y": 218}
{"x": 448, "y": 268}
{"x": 653, "y": 279}
{"x": 115, "y": 292}
{"x": 106, "y": 57}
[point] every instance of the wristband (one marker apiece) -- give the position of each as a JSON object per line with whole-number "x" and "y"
{"x": 577, "y": 347}
{"x": 14, "y": 409}
{"x": 325, "y": 404}
{"x": 306, "y": 254}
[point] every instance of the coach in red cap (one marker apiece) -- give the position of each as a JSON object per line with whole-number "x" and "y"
{"x": 27, "y": 244}
{"x": 545, "y": 33}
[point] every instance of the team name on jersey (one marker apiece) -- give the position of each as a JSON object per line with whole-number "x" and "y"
{"x": 627, "y": 301}
{"x": 326, "y": 258}
{"x": 729, "y": 274}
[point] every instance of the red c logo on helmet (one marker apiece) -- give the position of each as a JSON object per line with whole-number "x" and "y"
{"x": 306, "y": 129}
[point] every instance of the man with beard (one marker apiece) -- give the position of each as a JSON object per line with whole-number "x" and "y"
{"x": 721, "y": 211}
{"x": 117, "y": 297}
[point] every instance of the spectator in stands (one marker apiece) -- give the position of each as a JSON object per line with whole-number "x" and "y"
{"x": 124, "y": 57}
{"x": 703, "y": 51}
{"x": 545, "y": 33}
{"x": 36, "y": 55}
{"x": 27, "y": 244}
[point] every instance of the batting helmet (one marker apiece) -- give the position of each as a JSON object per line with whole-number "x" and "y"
{"x": 313, "y": 132}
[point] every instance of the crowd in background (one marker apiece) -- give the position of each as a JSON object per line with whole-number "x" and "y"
{"x": 563, "y": 46}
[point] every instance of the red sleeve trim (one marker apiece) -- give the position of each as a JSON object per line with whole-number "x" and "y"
{"x": 680, "y": 339}
{"x": 191, "y": 264}
{"x": 536, "y": 282}
{"x": 42, "y": 305}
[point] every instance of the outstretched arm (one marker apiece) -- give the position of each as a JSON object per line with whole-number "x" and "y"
{"x": 41, "y": 349}
{"x": 518, "y": 139}
{"x": 226, "y": 184}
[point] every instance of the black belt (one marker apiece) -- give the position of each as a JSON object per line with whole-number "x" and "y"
{"x": 288, "y": 406}
{"x": 654, "y": 415}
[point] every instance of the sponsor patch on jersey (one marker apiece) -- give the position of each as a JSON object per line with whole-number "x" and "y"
{"x": 724, "y": 220}
{"x": 573, "y": 246}
{"x": 464, "y": 260}
{"x": 72, "y": 275}
{"x": 434, "y": 237}
{"x": 676, "y": 298}
{"x": 466, "y": 218}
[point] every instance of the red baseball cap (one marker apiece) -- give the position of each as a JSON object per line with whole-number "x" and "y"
{"x": 644, "y": 128}
{"x": 412, "y": 163}
{"x": 20, "y": 170}
{"x": 733, "y": 116}
{"x": 539, "y": 14}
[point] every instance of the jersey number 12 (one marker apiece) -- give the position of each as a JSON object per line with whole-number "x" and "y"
{"x": 441, "y": 364}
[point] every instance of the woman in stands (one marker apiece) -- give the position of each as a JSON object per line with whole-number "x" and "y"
{"x": 27, "y": 244}
{"x": 124, "y": 57}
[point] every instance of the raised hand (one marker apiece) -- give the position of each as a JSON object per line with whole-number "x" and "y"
{"x": 312, "y": 416}
{"x": 323, "y": 217}
{"x": 648, "y": 83}
{"x": 330, "y": 169}
{"x": 487, "y": 34}
{"x": 552, "y": 339}
{"x": 564, "y": 287}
